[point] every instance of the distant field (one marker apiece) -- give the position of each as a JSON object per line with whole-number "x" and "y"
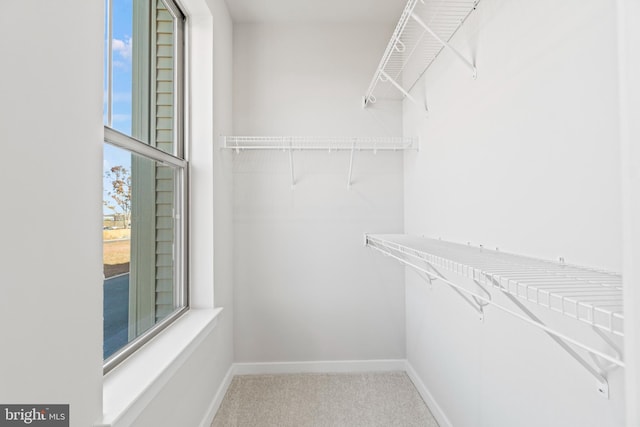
{"x": 116, "y": 234}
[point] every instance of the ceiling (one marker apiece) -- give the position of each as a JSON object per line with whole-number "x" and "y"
{"x": 316, "y": 11}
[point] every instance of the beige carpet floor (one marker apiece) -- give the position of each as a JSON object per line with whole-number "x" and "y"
{"x": 323, "y": 400}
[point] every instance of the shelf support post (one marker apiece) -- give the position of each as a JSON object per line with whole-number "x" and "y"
{"x": 353, "y": 149}
{"x": 609, "y": 342}
{"x": 481, "y": 304}
{"x": 601, "y": 380}
{"x": 386, "y": 77}
{"x": 478, "y": 306}
{"x": 293, "y": 181}
{"x": 445, "y": 44}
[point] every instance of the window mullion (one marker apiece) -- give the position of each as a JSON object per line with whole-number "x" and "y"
{"x": 126, "y": 142}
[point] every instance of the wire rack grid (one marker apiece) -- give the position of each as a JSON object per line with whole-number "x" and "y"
{"x": 412, "y": 47}
{"x": 588, "y": 295}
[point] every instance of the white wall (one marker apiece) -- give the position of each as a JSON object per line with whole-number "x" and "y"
{"x": 50, "y": 257}
{"x": 51, "y": 291}
{"x": 525, "y": 158}
{"x": 305, "y": 288}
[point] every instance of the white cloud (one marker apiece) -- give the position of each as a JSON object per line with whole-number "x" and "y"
{"x": 123, "y": 47}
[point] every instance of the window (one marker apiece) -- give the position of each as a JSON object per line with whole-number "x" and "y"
{"x": 145, "y": 174}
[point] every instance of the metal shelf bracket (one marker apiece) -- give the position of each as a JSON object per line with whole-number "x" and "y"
{"x": 602, "y": 385}
{"x": 481, "y": 303}
{"x": 384, "y": 77}
{"x": 353, "y": 149}
{"x": 464, "y": 60}
{"x": 476, "y": 303}
{"x": 293, "y": 179}
{"x": 600, "y": 373}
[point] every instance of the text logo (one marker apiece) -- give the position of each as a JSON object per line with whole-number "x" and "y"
{"x": 34, "y": 415}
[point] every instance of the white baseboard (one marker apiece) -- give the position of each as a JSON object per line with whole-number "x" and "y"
{"x": 338, "y": 366}
{"x": 217, "y": 400}
{"x": 436, "y": 410}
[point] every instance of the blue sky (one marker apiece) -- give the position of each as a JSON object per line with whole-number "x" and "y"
{"x": 122, "y": 49}
{"x": 122, "y": 43}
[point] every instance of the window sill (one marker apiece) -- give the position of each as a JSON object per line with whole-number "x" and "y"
{"x": 129, "y": 388}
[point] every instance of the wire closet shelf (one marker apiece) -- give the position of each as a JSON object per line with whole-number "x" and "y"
{"x": 424, "y": 29}
{"x": 289, "y": 144}
{"x": 239, "y": 143}
{"x": 588, "y": 295}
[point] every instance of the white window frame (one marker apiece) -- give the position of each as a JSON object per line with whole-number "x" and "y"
{"x": 177, "y": 161}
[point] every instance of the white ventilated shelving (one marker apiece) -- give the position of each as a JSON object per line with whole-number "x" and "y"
{"x": 424, "y": 29}
{"x": 590, "y": 296}
{"x": 395, "y": 143}
{"x": 290, "y": 144}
